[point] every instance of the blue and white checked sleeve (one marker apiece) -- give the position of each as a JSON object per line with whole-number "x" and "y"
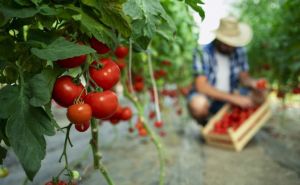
{"x": 242, "y": 59}
{"x": 200, "y": 63}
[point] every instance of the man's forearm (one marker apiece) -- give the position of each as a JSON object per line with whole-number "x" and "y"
{"x": 205, "y": 88}
{"x": 214, "y": 93}
{"x": 246, "y": 80}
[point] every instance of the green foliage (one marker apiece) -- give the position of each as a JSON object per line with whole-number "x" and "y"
{"x": 61, "y": 49}
{"x": 147, "y": 19}
{"x": 196, "y": 5}
{"x": 36, "y": 33}
{"x": 179, "y": 50}
{"x": 275, "y": 50}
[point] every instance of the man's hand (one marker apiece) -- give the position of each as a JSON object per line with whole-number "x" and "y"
{"x": 241, "y": 101}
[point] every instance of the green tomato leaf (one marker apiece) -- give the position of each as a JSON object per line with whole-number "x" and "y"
{"x": 196, "y": 5}
{"x": 18, "y": 12}
{"x": 8, "y": 101}
{"x": 146, "y": 16}
{"x": 26, "y": 127}
{"x": 41, "y": 86}
{"x": 92, "y": 27}
{"x": 61, "y": 49}
{"x": 50, "y": 115}
{"x": 111, "y": 14}
{"x": 23, "y": 2}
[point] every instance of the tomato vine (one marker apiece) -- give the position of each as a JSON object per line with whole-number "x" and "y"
{"x": 47, "y": 42}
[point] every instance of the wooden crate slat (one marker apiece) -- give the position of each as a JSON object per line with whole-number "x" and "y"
{"x": 247, "y": 124}
{"x": 252, "y": 131}
{"x": 222, "y": 145}
{"x": 237, "y": 140}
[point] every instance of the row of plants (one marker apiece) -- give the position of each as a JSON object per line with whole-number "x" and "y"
{"x": 274, "y": 50}
{"x": 75, "y": 52}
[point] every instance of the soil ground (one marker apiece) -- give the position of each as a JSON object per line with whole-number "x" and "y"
{"x": 271, "y": 158}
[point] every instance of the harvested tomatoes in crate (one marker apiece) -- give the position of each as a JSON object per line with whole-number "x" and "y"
{"x": 233, "y": 127}
{"x": 233, "y": 119}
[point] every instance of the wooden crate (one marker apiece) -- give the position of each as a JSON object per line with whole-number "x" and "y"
{"x": 236, "y": 140}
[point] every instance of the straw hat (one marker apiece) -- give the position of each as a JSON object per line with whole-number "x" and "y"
{"x": 233, "y": 33}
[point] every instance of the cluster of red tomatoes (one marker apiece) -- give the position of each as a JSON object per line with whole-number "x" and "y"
{"x": 82, "y": 106}
{"x": 233, "y": 119}
{"x": 142, "y": 131}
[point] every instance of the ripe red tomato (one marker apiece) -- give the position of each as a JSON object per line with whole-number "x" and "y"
{"x": 121, "y": 51}
{"x": 138, "y": 86}
{"x": 138, "y": 78}
{"x": 65, "y": 91}
{"x": 126, "y": 114}
{"x": 56, "y": 183}
{"x": 139, "y": 125}
{"x": 166, "y": 63}
{"x": 261, "y": 84}
{"x": 100, "y": 47}
{"x": 158, "y": 124}
{"x": 296, "y": 90}
{"x": 114, "y": 121}
{"x": 121, "y": 63}
{"x": 72, "y": 62}
{"x": 130, "y": 129}
{"x": 117, "y": 114}
{"x": 81, "y": 127}
{"x": 106, "y": 76}
{"x": 79, "y": 113}
{"x": 162, "y": 133}
{"x": 103, "y": 104}
{"x": 143, "y": 132}
{"x": 152, "y": 114}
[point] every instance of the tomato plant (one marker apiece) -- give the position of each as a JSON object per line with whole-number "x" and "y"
{"x": 39, "y": 45}
{"x": 273, "y": 52}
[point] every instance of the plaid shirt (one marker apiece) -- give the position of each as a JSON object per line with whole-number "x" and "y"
{"x": 206, "y": 63}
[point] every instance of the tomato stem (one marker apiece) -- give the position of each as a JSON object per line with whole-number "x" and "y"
{"x": 157, "y": 110}
{"x": 96, "y": 153}
{"x": 155, "y": 138}
{"x": 64, "y": 153}
{"x": 130, "y": 68}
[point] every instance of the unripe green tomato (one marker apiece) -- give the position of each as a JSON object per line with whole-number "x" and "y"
{"x": 3, "y": 172}
{"x": 75, "y": 175}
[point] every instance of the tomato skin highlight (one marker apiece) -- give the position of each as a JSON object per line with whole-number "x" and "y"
{"x": 121, "y": 51}
{"x": 82, "y": 127}
{"x": 65, "y": 91}
{"x": 100, "y": 47}
{"x": 107, "y": 76}
{"x": 72, "y": 62}
{"x": 104, "y": 104}
{"x": 79, "y": 113}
